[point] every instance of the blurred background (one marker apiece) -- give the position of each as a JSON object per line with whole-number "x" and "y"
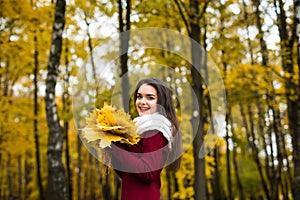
{"x": 253, "y": 44}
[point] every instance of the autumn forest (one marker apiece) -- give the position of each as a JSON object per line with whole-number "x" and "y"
{"x": 233, "y": 67}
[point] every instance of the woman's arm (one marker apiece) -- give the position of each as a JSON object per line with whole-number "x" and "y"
{"x": 146, "y": 164}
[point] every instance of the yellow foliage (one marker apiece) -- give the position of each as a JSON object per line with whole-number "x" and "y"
{"x": 185, "y": 177}
{"x": 188, "y": 194}
{"x": 209, "y": 167}
{"x": 110, "y": 125}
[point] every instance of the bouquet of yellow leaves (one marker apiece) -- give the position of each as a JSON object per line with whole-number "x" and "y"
{"x": 108, "y": 125}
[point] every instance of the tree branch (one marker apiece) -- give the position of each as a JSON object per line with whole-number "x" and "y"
{"x": 183, "y": 17}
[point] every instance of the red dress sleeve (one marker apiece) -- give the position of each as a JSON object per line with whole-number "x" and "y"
{"x": 144, "y": 160}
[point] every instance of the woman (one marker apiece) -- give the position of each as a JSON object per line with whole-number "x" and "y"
{"x": 140, "y": 166}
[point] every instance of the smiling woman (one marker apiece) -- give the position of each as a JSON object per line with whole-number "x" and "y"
{"x": 146, "y": 100}
{"x": 139, "y": 166}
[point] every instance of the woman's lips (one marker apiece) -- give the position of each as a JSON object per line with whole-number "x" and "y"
{"x": 143, "y": 110}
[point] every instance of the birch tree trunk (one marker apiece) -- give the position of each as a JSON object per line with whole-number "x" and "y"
{"x": 56, "y": 188}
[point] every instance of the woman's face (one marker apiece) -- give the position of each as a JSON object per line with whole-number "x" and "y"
{"x": 146, "y": 101}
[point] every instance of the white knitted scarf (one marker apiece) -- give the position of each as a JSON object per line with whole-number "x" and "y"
{"x": 155, "y": 121}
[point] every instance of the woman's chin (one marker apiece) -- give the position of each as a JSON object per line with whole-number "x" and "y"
{"x": 141, "y": 113}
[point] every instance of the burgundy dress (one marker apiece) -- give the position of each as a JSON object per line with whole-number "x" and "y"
{"x": 140, "y": 173}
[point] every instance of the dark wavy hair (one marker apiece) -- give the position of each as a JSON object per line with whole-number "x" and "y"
{"x": 166, "y": 108}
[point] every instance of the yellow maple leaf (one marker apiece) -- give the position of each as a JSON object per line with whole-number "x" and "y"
{"x": 110, "y": 125}
{"x": 92, "y": 134}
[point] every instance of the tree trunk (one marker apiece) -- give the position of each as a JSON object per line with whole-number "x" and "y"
{"x": 278, "y": 179}
{"x": 295, "y": 133}
{"x": 27, "y": 178}
{"x": 106, "y": 187}
{"x": 255, "y": 150}
{"x": 91, "y": 175}
{"x": 227, "y": 116}
{"x": 287, "y": 39}
{"x": 124, "y": 29}
{"x": 273, "y": 174}
{"x": 56, "y": 188}
{"x": 198, "y": 142}
{"x": 217, "y": 188}
{"x": 86, "y": 181}
{"x": 271, "y": 145}
{"x": 1, "y": 182}
{"x": 35, "y": 121}
{"x": 169, "y": 185}
{"x": 237, "y": 175}
{"x": 9, "y": 178}
{"x": 5, "y": 94}
{"x": 193, "y": 29}
{"x": 251, "y": 140}
{"x": 66, "y": 110}
{"x": 90, "y": 45}
{"x": 6, "y": 80}
{"x": 79, "y": 170}
{"x": 20, "y": 182}
{"x": 264, "y": 136}
{"x": 234, "y": 158}
{"x": 118, "y": 187}
{"x": 228, "y": 160}
{"x": 262, "y": 42}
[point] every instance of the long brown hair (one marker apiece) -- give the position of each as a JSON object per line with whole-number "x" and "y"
{"x": 166, "y": 109}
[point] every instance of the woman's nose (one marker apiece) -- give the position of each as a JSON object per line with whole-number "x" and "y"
{"x": 143, "y": 100}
